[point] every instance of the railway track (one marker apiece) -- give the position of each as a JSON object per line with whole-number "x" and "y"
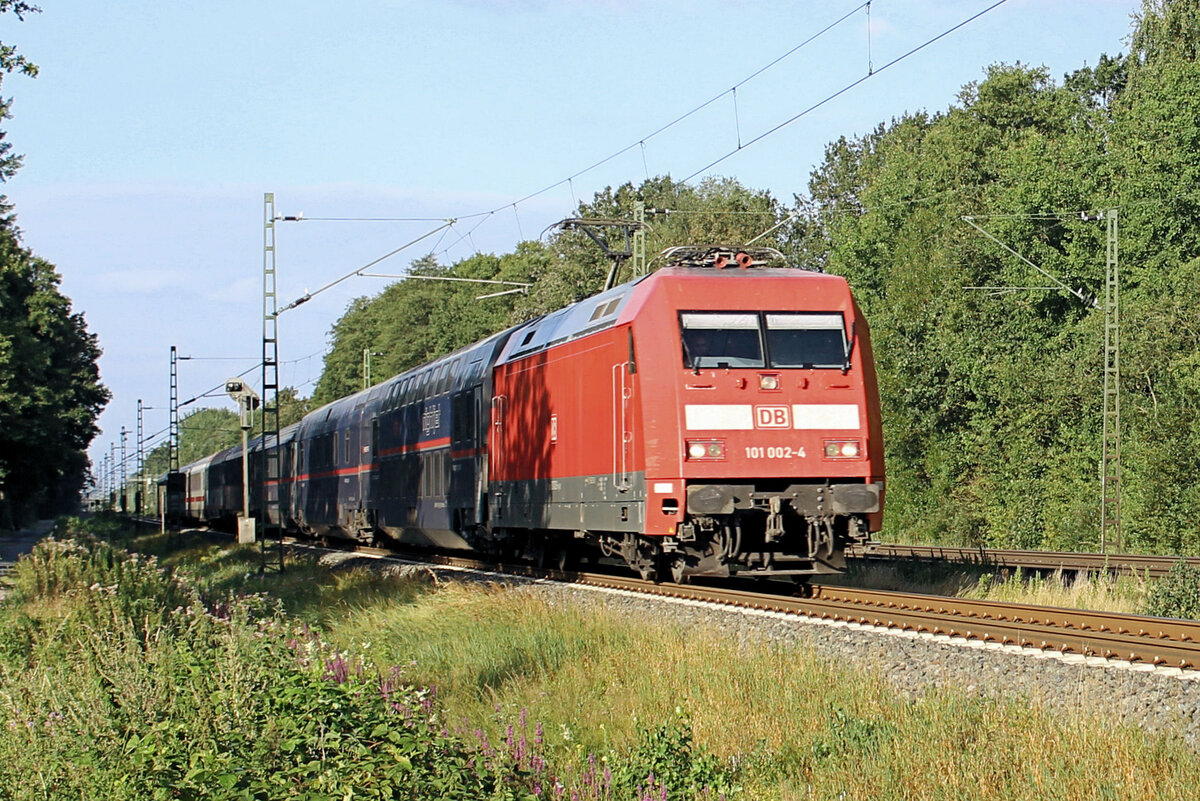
{"x": 1143, "y": 564}
{"x": 1160, "y": 642}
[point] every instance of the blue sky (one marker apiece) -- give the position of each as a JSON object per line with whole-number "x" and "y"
{"x": 155, "y": 127}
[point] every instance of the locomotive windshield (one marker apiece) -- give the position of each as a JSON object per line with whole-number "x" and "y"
{"x": 792, "y": 339}
{"x": 721, "y": 340}
{"x": 806, "y": 340}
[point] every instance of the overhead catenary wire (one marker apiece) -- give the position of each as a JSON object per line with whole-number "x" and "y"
{"x": 448, "y": 224}
{"x": 307, "y": 296}
{"x": 870, "y": 74}
{"x": 1084, "y": 299}
{"x": 641, "y": 142}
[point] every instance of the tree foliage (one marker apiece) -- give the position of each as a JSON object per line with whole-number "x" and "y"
{"x": 50, "y": 392}
{"x": 206, "y": 431}
{"x": 421, "y": 318}
{"x": 11, "y": 61}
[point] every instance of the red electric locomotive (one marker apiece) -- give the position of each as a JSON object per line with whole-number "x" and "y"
{"x": 719, "y": 415}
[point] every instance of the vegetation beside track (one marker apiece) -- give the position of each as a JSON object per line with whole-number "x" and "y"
{"x": 1176, "y": 594}
{"x": 190, "y": 675}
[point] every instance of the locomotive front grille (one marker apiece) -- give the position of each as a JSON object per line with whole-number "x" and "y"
{"x": 804, "y": 499}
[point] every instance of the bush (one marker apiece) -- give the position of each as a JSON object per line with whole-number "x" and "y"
{"x": 1177, "y": 594}
{"x": 122, "y": 682}
{"x": 666, "y": 764}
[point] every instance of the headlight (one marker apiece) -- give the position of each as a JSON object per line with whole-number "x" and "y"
{"x": 768, "y": 381}
{"x": 843, "y": 449}
{"x": 705, "y": 449}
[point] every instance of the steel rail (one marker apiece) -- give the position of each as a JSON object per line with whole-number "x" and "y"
{"x": 1152, "y": 565}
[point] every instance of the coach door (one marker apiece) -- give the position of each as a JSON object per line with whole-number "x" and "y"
{"x": 479, "y": 450}
{"x": 371, "y": 457}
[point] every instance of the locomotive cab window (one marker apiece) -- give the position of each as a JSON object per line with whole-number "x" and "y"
{"x": 806, "y": 340}
{"x": 721, "y": 340}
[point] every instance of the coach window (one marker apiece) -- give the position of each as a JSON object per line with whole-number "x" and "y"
{"x": 806, "y": 340}
{"x": 721, "y": 340}
{"x": 347, "y": 452}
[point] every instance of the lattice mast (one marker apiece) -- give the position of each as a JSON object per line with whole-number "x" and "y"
{"x": 140, "y": 465}
{"x": 123, "y": 503}
{"x": 270, "y": 474}
{"x": 173, "y": 425}
{"x": 1110, "y": 452}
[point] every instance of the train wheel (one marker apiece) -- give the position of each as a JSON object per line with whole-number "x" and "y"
{"x": 565, "y": 556}
{"x": 676, "y": 566}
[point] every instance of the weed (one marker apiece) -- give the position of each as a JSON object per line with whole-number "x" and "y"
{"x": 1177, "y": 594}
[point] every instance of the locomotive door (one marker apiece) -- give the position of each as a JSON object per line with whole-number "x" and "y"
{"x": 622, "y": 441}
{"x": 496, "y": 453}
{"x": 496, "y": 440}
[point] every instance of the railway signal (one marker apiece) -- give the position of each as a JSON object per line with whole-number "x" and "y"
{"x": 247, "y": 400}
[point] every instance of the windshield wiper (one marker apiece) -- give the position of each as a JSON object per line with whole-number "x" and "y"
{"x": 687, "y": 354}
{"x": 849, "y": 347}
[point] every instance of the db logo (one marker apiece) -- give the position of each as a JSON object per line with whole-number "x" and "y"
{"x": 772, "y": 417}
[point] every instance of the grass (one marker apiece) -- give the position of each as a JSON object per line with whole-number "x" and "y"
{"x": 584, "y": 688}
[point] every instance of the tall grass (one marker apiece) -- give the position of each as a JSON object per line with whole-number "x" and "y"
{"x": 1099, "y": 591}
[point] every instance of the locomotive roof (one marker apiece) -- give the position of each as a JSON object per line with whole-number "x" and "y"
{"x": 577, "y": 320}
{"x": 604, "y": 310}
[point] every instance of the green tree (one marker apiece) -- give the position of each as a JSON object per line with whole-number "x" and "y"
{"x": 50, "y": 392}
{"x": 1154, "y": 150}
{"x": 988, "y": 409}
{"x": 718, "y": 211}
{"x": 991, "y": 401}
{"x": 205, "y": 431}
{"x": 418, "y": 319}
